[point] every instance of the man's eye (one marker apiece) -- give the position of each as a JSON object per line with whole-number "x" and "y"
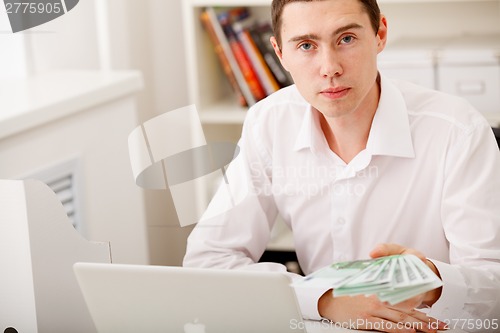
{"x": 306, "y": 46}
{"x": 347, "y": 40}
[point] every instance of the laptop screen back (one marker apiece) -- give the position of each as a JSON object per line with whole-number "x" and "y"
{"x": 134, "y": 298}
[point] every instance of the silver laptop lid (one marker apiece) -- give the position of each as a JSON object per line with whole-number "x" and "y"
{"x": 135, "y": 298}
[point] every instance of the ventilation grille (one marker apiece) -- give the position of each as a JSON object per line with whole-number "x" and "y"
{"x": 64, "y": 189}
{"x": 62, "y": 179}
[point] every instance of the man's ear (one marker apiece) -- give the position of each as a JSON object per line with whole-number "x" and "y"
{"x": 382, "y": 33}
{"x": 277, "y": 50}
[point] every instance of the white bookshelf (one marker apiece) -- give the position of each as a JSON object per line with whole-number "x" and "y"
{"x": 208, "y": 87}
{"x": 223, "y": 112}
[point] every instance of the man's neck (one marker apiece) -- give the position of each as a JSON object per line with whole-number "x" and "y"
{"x": 347, "y": 135}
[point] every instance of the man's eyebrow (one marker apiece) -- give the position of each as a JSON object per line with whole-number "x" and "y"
{"x": 347, "y": 27}
{"x": 304, "y": 37}
{"x": 336, "y": 32}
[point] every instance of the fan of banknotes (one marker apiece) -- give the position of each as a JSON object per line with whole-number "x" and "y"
{"x": 393, "y": 279}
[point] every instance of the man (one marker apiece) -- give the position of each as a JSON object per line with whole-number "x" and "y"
{"x": 350, "y": 159}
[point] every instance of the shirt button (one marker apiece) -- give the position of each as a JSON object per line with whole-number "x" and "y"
{"x": 341, "y": 221}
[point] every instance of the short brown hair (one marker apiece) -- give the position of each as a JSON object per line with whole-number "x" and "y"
{"x": 371, "y": 7}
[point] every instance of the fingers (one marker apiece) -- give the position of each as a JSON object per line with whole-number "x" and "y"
{"x": 383, "y": 325}
{"x": 389, "y": 249}
{"x": 421, "y": 321}
{"x": 412, "y": 319}
{"x": 407, "y": 313}
{"x": 368, "y": 313}
{"x": 386, "y": 249}
{"x": 407, "y": 305}
{"x": 398, "y": 322}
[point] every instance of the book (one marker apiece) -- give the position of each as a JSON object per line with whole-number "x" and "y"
{"x": 261, "y": 33}
{"x": 262, "y": 70}
{"x": 223, "y": 59}
{"x": 241, "y": 57}
{"x": 211, "y": 17}
{"x": 392, "y": 279}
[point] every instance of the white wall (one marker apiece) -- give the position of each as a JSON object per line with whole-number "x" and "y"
{"x": 441, "y": 19}
{"x": 68, "y": 42}
{"x": 147, "y": 35}
{"x": 13, "y": 55}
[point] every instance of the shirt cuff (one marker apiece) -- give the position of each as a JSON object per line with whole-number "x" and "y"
{"x": 308, "y": 301}
{"x": 453, "y": 295}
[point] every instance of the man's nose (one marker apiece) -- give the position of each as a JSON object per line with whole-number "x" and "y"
{"x": 330, "y": 63}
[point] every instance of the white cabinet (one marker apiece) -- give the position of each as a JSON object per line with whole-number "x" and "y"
{"x": 83, "y": 116}
{"x": 471, "y": 69}
{"x": 477, "y": 82}
{"x": 414, "y": 65}
{"x": 411, "y": 59}
{"x": 467, "y": 66}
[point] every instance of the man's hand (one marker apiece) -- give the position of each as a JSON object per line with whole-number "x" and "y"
{"x": 361, "y": 312}
{"x": 386, "y": 249}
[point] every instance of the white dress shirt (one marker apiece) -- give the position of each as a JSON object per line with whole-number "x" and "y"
{"x": 428, "y": 179}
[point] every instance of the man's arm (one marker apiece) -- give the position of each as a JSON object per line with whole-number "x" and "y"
{"x": 471, "y": 223}
{"x": 235, "y": 229}
{"x": 470, "y": 296}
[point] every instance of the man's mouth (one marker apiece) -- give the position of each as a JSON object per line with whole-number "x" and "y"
{"x": 335, "y": 93}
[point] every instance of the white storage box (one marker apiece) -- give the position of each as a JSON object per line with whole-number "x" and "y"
{"x": 411, "y": 59}
{"x": 470, "y": 67}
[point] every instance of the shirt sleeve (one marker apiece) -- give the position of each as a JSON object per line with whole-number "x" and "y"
{"x": 308, "y": 301}
{"x": 236, "y": 227}
{"x": 471, "y": 223}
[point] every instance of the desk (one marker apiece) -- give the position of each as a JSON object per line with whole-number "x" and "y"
{"x": 326, "y": 327}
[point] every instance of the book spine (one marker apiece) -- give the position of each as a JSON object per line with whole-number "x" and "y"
{"x": 244, "y": 64}
{"x": 224, "y": 42}
{"x": 226, "y": 66}
{"x": 263, "y": 72}
{"x": 261, "y": 34}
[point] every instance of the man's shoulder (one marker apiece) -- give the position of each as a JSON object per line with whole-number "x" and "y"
{"x": 287, "y": 99}
{"x": 423, "y": 102}
{"x": 285, "y": 96}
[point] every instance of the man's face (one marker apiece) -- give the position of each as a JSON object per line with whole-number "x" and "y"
{"x": 330, "y": 49}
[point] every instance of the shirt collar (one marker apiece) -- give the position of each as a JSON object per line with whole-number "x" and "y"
{"x": 307, "y": 130}
{"x": 390, "y": 131}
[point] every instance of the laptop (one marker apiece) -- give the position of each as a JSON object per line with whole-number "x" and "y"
{"x": 139, "y": 298}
